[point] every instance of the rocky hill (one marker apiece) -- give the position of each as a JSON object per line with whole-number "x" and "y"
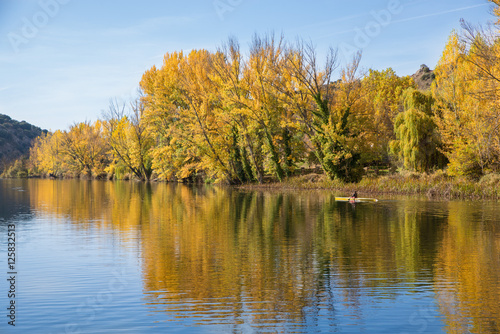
{"x": 15, "y": 139}
{"x": 424, "y": 77}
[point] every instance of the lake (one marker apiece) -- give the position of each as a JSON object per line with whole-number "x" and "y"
{"x": 126, "y": 257}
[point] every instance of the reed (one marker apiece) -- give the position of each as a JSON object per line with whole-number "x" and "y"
{"x": 435, "y": 185}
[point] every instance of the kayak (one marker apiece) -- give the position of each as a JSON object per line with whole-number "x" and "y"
{"x": 356, "y": 200}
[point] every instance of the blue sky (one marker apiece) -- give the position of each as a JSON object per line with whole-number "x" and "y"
{"x": 61, "y": 61}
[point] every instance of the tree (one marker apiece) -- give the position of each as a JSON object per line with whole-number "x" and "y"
{"x": 209, "y": 130}
{"x": 128, "y": 138}
{"x": 381, "y": 99}
{"x": 309, "y": 91}
{"x": 228, "y": 65}
{"x": 344, "y": 136}
{"x": 263, "y": 105}
{"x": 46, "y": 154}
{"x": 467, "y": 93}
{"x": 84, "y": 149}
{"x": 163, "y": 106}
{"x": 417, "y": 141}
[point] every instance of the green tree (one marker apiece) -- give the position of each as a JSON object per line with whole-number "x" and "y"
{"x": 417, "y": 139}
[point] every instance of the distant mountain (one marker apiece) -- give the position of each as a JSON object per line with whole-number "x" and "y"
{"x": 424, "y": 77}
{"x": 15, "y": 139}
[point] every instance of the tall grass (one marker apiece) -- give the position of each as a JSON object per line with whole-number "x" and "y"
{"x": 435, "y": 185}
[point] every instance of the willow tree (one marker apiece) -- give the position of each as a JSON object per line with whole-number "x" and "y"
{"x": 417, "y": 141}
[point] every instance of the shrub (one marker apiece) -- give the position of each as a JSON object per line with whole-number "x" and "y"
{"x": 490, "y": 180}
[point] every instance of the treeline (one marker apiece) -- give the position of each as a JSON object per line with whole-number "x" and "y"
{"x": 225, "y": 116}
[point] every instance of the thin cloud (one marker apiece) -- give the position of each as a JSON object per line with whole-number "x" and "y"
{"x": 437, "y": 14}
{"x": 342, "y": 32}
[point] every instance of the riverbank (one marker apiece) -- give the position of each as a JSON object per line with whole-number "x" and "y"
{"x": 436, "y": 185}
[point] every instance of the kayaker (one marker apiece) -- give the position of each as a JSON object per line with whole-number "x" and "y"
{"x": 353, "y": 196}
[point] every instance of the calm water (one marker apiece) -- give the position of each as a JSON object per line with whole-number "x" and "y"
{"x": 118, "y": 257}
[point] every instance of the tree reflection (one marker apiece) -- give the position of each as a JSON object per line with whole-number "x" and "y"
{"x": 220, "y": 255}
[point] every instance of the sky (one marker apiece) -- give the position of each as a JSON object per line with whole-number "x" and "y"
{"x": 62, "y": 61}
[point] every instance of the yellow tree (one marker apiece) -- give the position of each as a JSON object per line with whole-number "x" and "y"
{"x": 46, "y": 154}
{"x": 128, "y": 138}
{"x": 381, "y": 95}
{"x": 309, "y": 92}
{"x": 228, "y": 67}
{"x": 263, "y": 105}
{"x": 172, "y": 155}
{"x": 209, "y": 131}
{"x": 344, "y": 135}
{"x": 467, "y": 98}
{"x": 328, "y": 112}
{"x": 85, "y": 150}
{"x": 483, "y": 56}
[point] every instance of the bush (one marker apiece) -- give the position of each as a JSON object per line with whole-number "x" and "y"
{"x": 17, "y": 170}
{"x": 490, "y": 180}
{"x": 439, "y": 176}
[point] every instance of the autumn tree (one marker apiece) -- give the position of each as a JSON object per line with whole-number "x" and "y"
{"x": 325, "y": 109}
{"x": 84, "y": 149}
{"x": 345, "y": 135}
{"x": 309, "y": 92}
{"x": 164, "y": 103}
{"x": 271, "y": 117}
{"x": 417, "y": 142}
{"x": 128, "y": 138}
{"x": 247, "y": 158}
{"x": 46, "y": 154}
{"x": 381, "y": 99}
{"x": 466, "y": 92}
{"x": 183, "y": 109}
{"x": 209, "y": 130}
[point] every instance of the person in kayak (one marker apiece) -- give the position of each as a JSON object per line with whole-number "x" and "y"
{"x": 353, "y": 196}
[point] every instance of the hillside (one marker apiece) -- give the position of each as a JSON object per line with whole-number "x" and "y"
{"x": 15, "y": 139}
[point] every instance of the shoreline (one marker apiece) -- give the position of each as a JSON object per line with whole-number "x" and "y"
{"x": 434, "y": 186}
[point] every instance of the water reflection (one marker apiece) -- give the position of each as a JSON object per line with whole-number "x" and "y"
{"x": 14, "y": 198}
{"x": 296, "y": 261}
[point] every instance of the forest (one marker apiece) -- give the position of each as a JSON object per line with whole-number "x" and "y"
{"x": 231, "y": 117}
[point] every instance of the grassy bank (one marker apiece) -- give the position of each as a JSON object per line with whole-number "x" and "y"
{"x": 436, "y": 185}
